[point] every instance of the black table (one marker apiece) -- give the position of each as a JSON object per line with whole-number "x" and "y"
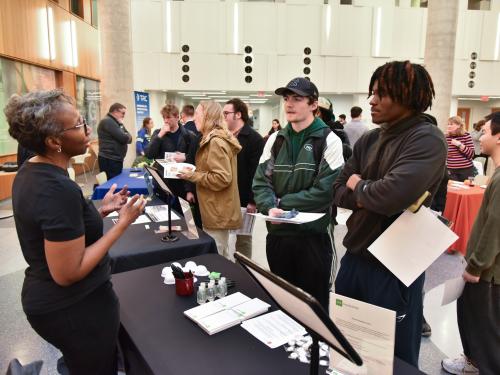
{"x": 158, "y": 339}
{"x": 139, "y": 247}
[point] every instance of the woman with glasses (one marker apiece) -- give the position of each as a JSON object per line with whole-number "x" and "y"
{"x": 67, "y": 295}
{"x": 216, "y": 176}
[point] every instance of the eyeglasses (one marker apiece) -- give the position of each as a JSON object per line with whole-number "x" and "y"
{"x": 225, "y": 113}
{"x": 81, "y": 123}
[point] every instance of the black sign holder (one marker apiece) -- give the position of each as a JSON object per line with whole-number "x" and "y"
{"x": 169, "y": 237}
{"x": 305, "y": 309}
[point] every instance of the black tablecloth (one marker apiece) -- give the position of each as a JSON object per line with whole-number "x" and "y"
{"x": 158, "y": 339}
{"x": 139, "y": 247}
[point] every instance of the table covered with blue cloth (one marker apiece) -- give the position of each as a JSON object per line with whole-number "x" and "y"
{"x": 135, "y": 185}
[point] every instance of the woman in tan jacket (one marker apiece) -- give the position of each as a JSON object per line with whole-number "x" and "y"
{"x": 216, "y": 175}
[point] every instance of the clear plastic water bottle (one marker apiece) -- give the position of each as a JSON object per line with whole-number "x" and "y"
{"x": 222, "y": 287}
{"x": 211, "y": 291}
{"x": 201, "y": 295}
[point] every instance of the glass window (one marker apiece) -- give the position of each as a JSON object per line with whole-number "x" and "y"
{"x": 88, "y": 102}
{"x": 19, "y": 78}
{"x": 94, "y": 13}
{"x": 77, "y": 7}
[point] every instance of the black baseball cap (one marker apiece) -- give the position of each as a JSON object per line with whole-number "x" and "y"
{"x": 299, "y": 86}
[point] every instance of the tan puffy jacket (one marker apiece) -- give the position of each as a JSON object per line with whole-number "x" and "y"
{"x": 216, "y": 179}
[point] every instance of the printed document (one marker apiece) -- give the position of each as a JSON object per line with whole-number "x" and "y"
{"x": 274, "y": 329}
{"x": 370, "y": 330}
{"x": 301, "y": 218}
{"x": 412, "y": 243}
{"x": 160, "y": 213}
{"x": 247, "y": 224}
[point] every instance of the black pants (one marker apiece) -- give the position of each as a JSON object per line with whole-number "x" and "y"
{"x": 111, "y": 167}
{"x": 364, "y": 278}
{"x": 86, "y": 333}
{"x": 461, "y": 174}
{"x": 478, "y": 315}
{"x": 304, "y": 261}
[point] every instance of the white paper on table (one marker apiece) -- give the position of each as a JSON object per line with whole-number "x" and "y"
{"x": 453, "y": 289}
{"x": 140, "y": 220}
{"x": 301, "y": 218}
{"x": 251, "y": 308}
{"x": 410, "y": 245}
{"x": 247, "y": 224}
{"x": 232, "y": 300}
{"x": 273, "y": 329}
{"x": 160, "y": 213}
{"x": 204, "y": 310}
{"x": 370, "y": 330}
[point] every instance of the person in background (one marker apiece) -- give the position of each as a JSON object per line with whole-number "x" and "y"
{"x": 187, "y": 120}
{"x": 173, "y": 138}
{"x": 67, "y": 295}
{"x": 356, "y": 127}
{"x": 475, "y": 134}
{"x": 325, "y": 112}
{"x": 113, "y": 140}
{"x": 478, "y": 308}
{"x": 144, "y": 136}
{"x": 339, "y": 124}
{"x": 235, "y": 113}
{"x": 216, "y": 175}
{"x": 390, "y": 168}
{"x": 460, "y": 150}
{"x": 275, "y": 127}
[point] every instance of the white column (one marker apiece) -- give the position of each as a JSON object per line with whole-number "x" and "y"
{"x": 440, "y": 54}
{"x": 117, "y": 71}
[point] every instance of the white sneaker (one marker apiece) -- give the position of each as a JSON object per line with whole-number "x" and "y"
{"x": 460, "y": 365}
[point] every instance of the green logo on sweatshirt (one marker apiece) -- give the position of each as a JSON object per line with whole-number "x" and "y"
{"x": 338, "y": 302}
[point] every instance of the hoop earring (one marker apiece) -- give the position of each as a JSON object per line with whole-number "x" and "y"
{"x": 59, "y": 149}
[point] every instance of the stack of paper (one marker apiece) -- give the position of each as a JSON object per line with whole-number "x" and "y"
{"x": 274, "y": 329}
{"x": 226, "y": 312}
{"x": 160, "y": 213}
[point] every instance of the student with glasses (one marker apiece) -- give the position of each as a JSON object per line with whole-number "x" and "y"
{"x": 67, "y": 295}
{"x": 113, "y": 140}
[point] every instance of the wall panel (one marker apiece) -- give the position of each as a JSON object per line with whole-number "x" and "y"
{"x": 87, "y": 51}
{"x": 147, "y": 26}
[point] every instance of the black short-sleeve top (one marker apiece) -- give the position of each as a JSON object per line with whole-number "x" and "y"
{"x": 48, "y": 205}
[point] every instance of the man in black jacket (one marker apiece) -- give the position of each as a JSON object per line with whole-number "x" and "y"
{"x": 236, "y": 115}
{"x": 391, "y": 167}
{"x": 113, "y": 140}
{"x": 173, "y": 138}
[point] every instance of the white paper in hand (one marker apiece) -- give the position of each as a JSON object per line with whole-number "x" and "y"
{"x": 412, "y": 243}
{"x": 453, "y": 289}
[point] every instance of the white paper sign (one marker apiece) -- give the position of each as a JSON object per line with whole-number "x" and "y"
{"x": 453, "y": 289}
{"x": 301, "y": 218}
{"x": 370, "y": 330}
{"x": 412, "y": 243}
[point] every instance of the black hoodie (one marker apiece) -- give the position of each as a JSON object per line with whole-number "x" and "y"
{"x": 397, "y": 165}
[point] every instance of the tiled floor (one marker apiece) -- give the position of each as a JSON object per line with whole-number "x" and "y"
{"x": 20, "y": 341}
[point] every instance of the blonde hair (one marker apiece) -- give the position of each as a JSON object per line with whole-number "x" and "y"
{"x": 458, "y": 120}
{"x": 212, "y": 117}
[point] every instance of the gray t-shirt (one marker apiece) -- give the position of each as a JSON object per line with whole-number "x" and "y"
{"x": 354, "y": 130}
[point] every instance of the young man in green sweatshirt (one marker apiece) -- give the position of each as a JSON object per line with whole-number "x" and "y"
{"x": 296, "y": 171}
{"x": 478, "y": 309}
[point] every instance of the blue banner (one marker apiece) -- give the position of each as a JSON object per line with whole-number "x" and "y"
{"x": 141, "y": 107}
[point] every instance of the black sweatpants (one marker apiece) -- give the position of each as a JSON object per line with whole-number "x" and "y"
{"x": 305, "y": 261}
{"x": 111, "y": 167}
{"x": 461, "y": 174}
{"x": 86, "y": 333}
{"x": 478, "y": 315}
{"x": 364, "y": 278}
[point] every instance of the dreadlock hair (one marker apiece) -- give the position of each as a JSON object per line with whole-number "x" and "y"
{"x": 405, "y": 83}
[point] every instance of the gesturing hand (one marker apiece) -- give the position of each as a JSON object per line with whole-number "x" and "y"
{"x": 132, "y": 209}
{"x": 114, "y": 201}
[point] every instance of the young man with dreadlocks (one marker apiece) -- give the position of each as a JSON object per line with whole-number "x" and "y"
{"x": 391, "y": 167}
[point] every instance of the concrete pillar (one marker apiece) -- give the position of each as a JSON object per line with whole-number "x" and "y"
{"x": 440, "y": 54}
{"x": 117, "y": 83}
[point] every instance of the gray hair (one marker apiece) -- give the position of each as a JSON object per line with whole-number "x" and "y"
{"x": 32, "y": 117}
